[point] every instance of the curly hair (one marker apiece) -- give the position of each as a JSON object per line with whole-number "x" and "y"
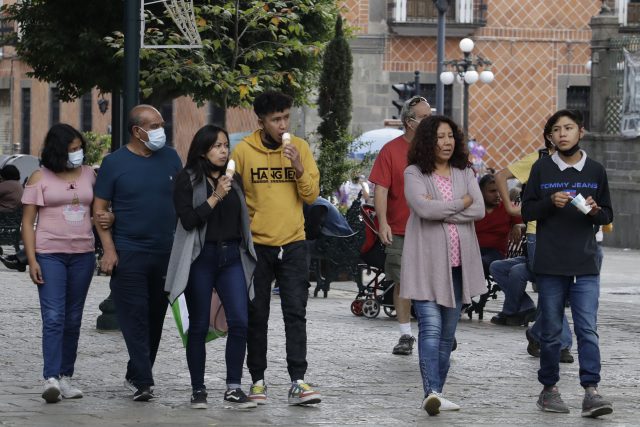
{"x": 422, "y": 151}
{"x": 271, "y": 102}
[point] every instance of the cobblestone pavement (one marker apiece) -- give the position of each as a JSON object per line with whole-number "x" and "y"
{"x": 350, "y": 362}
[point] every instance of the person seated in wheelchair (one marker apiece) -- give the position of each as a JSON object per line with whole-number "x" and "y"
{"x": 10, "y": 201}
{"x": 497, "y": 229}
{"x": 10, "y": 189}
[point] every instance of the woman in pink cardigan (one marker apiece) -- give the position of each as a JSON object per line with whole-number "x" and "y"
{"x": 441, "y": 263}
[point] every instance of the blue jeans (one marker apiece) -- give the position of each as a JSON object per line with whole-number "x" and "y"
{"x": 583, "y": 296}
{"x": 217, "y": 267}
{"x": 437, "y": 329}
{"x": 137, "y": 288}
{"x": 488, "y": 256}
{"x": 512, "y": 276}
{"x": 62, "y": 296}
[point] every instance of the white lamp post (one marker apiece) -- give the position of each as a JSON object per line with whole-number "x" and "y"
{"x": 466, "y": 71}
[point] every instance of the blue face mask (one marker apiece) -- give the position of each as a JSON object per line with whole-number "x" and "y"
{"x": 157, "y": 139}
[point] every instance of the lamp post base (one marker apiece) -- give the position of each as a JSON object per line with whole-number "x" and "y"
{"x": 107, "y": 321}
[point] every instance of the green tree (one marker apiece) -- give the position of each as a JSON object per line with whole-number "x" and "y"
{"x": 98, "y": 146}
{"x": 334, "y": 108}
{"x": 248, "y": 46}
{"x": 63, "y": 42}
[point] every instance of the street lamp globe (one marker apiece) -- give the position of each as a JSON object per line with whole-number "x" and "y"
{"x": 447, "y": 77}
{"x": 486, "y": 76}
{"x": 588, "y": 66}
{"x": 471, "y": 76}
{"x": 466, "y": 45}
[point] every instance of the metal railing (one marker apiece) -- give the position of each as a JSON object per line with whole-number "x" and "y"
{"x": 471, "y": 12}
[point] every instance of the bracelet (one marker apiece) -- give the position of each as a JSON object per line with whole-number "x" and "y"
{"x": 217, "y": 196}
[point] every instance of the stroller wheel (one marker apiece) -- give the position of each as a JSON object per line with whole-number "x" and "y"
{"x": 356, "y": 307}
{"x": 370, "y": 308}
{"x": 389, "y": 311}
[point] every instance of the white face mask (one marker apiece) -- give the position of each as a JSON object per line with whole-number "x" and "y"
{"x": 75, "y": 159}
{"x": 157, "y": 139}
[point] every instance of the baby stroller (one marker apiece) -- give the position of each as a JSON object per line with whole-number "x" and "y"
{"x": 378, "y": 292}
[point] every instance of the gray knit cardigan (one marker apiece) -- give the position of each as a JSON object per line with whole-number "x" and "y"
{"x": 187, "y": 245}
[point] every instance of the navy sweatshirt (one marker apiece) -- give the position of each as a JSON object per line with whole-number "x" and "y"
{"x": 565, "y": 239}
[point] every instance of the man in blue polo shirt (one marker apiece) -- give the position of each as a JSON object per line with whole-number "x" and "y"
{"x": 137, "y": 182}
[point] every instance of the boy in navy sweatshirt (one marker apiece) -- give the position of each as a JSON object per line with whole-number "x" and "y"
{"x": 566, "y": 251}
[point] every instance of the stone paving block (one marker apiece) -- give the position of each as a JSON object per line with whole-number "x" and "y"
{"x": 350, "y": 362}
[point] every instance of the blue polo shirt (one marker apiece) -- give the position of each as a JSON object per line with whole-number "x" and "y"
{"x": 141, "y": 193}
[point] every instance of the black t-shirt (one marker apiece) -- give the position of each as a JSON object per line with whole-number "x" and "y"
{"x": 565, "y": 242}
{"x": 223, "y": 221}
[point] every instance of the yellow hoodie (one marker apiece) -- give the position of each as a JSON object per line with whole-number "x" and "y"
{"x": 274, "y": 194}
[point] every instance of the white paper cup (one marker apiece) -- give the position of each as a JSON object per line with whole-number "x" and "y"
{"x": 580, "y": 203}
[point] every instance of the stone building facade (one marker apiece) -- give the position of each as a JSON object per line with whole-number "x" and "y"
{"x": 539, "y": 50}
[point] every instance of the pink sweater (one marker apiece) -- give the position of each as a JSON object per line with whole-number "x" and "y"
{"x": 426, "y": 266}
{"x": 64, "y": 212}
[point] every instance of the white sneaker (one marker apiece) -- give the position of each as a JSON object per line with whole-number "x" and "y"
{"x": 446, "y": 404}
{"x": 432, "y": 403}
{"x": 51, "y": 392}
{"x": 130, "y": 386}
{"x": 68, "y": 390}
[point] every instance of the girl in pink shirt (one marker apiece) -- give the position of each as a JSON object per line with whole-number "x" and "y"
{"x": 60, "y": 251}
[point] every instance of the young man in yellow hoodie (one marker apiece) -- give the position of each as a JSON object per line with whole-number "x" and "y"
{"x": 279, "y": 175}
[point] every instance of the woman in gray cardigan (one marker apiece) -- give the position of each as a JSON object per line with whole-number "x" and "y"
{"x": 212, "y": 250}
{"x": 441, "y": 263}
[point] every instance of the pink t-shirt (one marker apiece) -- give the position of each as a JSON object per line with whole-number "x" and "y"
{"x": 446, "y": 190}
{"x": 64, "y": 212}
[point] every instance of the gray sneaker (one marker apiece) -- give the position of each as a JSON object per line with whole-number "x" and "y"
{"x": 550, "y": 401}
{"x": 594, "y": 405}
{"x": 405, "y": 345}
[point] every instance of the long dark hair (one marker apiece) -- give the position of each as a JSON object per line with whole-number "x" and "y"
{"x": 55, "y": 152}
{"x": 202, "y": 142}
{"x": 422, "y": 151}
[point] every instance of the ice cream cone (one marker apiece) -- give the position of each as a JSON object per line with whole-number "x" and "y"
{"x": 231, "y": 168}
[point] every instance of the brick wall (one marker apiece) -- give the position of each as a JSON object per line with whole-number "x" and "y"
{"x": 536, "y": 46}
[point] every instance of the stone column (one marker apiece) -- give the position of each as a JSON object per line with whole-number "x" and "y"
{"x": 604, "y": 27}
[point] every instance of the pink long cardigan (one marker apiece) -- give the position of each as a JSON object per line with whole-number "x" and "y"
{"x": 426, "y": 271}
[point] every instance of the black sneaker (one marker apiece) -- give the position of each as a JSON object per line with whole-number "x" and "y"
{"x": 533, "y": 348}
{"x": 235, "y": 398}
{"x": 522, "y": 318}
{"x": 199, "y": 399}
{"x": 143, "y": 394}
{"x": 566, "y": 356}
{"x": 499, "y": 319}
{"x": 405, "y": 345}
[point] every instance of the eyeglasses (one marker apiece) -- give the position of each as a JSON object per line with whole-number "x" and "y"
{"x": 416, "y": 100}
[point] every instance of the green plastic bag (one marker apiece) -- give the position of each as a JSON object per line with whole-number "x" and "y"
{"x": 217, "y": 321}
